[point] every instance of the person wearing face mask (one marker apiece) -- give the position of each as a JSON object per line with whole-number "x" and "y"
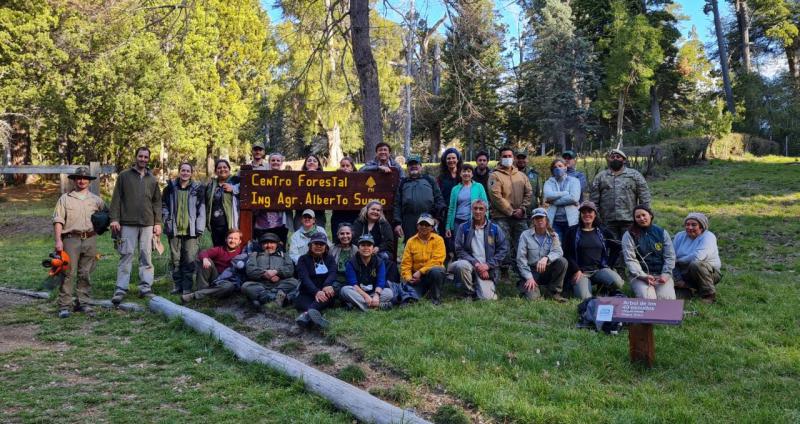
{"x": 183, "y": 209}
{"x": 561, "y": 192}
{"x": 510, "y": 194}
{"x": 571, "y": 159}
{"x": 616, "y": 191}
{"x": 649, "y": 256}
{"x": 416, "y": 194}
{"x": 697, "y": 262}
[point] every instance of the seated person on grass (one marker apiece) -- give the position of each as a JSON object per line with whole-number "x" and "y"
{"x": 586, "y": 250}
{"x": 269, "y": 274}
{"x": 212, "y": 262}
{"x": 227, "y": 283}
{"x": 422, "y": 266}
{"x": 697, "y": 263}
{"x": 649, "y": 257}
{"x": 540, "y": 260}
{"x": 366, "y": 278}
{"x": 480, "y": 247}
{"x": 298, "y": 244}
{"x": 317, "y": 273}
{"x": 342, "y": 251}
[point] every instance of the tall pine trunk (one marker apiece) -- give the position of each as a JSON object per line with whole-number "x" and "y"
{"x": 367, "y": 71}
{"x": 620, "y": 116}
{"x": 743, "y": 22}
{"x": 334, "y": 144}
{"x": 436, "y": 88}
{"x": 723, "y": 58}
{"x": 655, "y": 110}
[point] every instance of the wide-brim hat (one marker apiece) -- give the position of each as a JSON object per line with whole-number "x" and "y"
{"x": 81, "y": 172}
{"x": 619, "y": 152}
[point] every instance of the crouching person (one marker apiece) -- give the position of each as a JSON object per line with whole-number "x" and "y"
{"x": 422, "y": 266}
{"x": 317, "y": 272}
{"x": 697, "y": 263}
{"x": 540, "y": 260}
{"x": 225, "y": 284}
{"x": 366, "y": 278}
{"x": 480, "y": 247}
{"x": 212, "y": 262}
{"x": 649, "y": 256}
{"x": 269, "y": 274}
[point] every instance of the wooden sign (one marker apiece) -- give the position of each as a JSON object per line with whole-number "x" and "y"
{"x": 641, "y": 311}
{"x": 298, "y": 190}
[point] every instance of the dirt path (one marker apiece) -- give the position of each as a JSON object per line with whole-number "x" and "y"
{"x": 281, "y": 334}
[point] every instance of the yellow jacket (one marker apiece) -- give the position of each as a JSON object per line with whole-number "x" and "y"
{"x": 422, "y": 255}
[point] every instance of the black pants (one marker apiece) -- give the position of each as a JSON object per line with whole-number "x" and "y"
{"x": 305, "y": 301}
{"x": 431, "y": 282}
{"x": 219, "y": 234}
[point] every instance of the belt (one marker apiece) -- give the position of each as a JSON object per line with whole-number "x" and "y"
{"x": 79, "y": 234}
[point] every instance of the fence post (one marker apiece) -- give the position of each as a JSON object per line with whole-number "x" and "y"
{"x": 64, "y": 183}
{"x": 94, "y": 170}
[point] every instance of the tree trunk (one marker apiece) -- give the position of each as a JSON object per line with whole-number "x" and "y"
{"x": 367, "y": 71}
{"x": 723, "y": 58}
{"x": 334, "y": 145}
{"x": 410, "y": 47}
{"x": 743, "y": 21}
{"x": 436, "y": 88}
{"x": 655, "y": 109}
{"x": 620, "y": 116}
{"x": 791, "y": 59}
{"x": 209, "y": 159}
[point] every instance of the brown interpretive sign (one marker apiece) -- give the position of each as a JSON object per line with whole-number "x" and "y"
{"x": 640, "y": 311}
{"x": 297, "y": 190}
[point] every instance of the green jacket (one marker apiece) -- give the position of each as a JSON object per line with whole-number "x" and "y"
{"x": 137, "y": 199}
{"x": 617, "y": 195}
{"x": 258, "y": 262}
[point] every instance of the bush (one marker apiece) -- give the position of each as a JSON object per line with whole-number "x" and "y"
{"x": 737, "y": 144}
{"x": 399, "y": 393}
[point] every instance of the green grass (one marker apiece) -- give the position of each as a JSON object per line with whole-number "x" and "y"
{"x": 352, "y": 374}
{"x": 736, "y": 361}
{"x": 134, "y": 368}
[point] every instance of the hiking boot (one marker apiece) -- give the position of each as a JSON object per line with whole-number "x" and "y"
{"x": 146, "y": 294}
{"x": 64, "y": 313}
{"x": 709, "y": 298}
{"x": 280, "y": 299}
{"x": 303, "y": 320}
{"x": 558, "y": 298}
{"x": 117, "y": 299}
{"x": 86, "y": 310}
{"x": 257, "y": 305}
{"x": 186, "y": 298}
{"x": 317, "y": 318}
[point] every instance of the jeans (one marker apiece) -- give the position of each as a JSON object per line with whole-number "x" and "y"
{"x": 129, "y": 237}
{"x": 351, "y": 296}
{"x": 605, "y": 277}
{"x": 560, "y": 227}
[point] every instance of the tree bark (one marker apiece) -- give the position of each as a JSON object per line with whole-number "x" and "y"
{"x": 655, "y": 110}
{"x": 436, "y": 88}
{"x": 367, "y": 71}
{"x": 723, "y": 58}
{"x": 791, "y": 59}
{"x": 620, "y": 116}
{"x": 743, "y": 21}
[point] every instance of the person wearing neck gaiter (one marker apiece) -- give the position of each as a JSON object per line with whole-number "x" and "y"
{"x": 616, "y": 191}
{"x": 298, "y": 244}
{"x": 649, "y": 256}
{"x": 561, "y": 192}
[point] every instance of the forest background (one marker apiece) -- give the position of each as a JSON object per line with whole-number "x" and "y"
{"x": 88, "y": 80}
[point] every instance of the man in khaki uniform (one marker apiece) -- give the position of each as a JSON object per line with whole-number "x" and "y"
{"x": 74, "y": 233}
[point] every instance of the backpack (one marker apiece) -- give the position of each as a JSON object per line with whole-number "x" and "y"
{"x": 587, "y": 311}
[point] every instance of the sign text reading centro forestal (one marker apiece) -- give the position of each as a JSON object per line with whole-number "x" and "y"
{"x": 293, "y": 190}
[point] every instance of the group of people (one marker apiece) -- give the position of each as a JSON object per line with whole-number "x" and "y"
{"x": 561, "y": 236}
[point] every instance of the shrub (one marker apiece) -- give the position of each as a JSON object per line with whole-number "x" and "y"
{"x": 449, "y": 414}
{"x": 399, "y": 393}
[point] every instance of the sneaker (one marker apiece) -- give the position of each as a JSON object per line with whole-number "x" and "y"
{"x": 280, "y": 299}
{"x": 385, "y": 306}
{"x": 558, "y": 298}
{"x": 317, "y": 318}
{"x": 146, "y": 293}
{"x": 64, "y": 313}
{"x": 117, "y": 299}
{"x": 186, "y": 298}
{"x": 303, "y": 320}
{"x": 709, "y": 298}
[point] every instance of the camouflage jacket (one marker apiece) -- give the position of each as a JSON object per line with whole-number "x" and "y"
{"x": 617, "y": 195}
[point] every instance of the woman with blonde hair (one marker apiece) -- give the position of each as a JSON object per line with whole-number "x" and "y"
{"x": 540, "y": 260}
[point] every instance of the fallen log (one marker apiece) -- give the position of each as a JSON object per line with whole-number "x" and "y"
{"x": 344, "y": 396}
{"x": 128, "y": 307}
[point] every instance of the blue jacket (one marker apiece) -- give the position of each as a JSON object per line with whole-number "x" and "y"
{"x": 566, "y": 195}
{"x": 368, "y": 277}
{"x": 574, "y": 173}
{"x": 476, "y": 191}
{"x": 571, "y": 240}
{"x": 197, "y": 208}
{"x": 235, "y": 273}
{"x": 494, "y": 242}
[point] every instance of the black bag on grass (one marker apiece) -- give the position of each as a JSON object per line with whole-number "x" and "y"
{"x": 587, "y": 312}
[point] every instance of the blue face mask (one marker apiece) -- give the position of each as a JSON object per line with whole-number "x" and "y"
{"x": 559, "y": 173}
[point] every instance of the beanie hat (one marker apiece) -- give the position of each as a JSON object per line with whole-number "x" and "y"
{"x": 645, "y": 208}
{"x": 699, "y": 217}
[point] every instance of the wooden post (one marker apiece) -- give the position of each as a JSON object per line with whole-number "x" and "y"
{"x": 94, "y": 170}
{"x": 246, "y": 225}
{"x": 641, "y": 344}
{"x": 63, "y": 182}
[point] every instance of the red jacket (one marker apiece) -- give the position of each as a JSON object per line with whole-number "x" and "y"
{"x": 220, "y": 256}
